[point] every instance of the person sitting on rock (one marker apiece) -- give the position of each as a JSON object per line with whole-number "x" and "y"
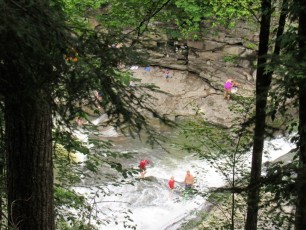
{"x": 228, "y": 86}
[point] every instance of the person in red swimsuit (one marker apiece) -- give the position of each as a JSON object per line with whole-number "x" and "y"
{"x": 171, "y": 185}
{"x": 143, "y": 167}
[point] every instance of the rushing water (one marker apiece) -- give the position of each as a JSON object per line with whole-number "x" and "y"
{"x": 148, "y": 203}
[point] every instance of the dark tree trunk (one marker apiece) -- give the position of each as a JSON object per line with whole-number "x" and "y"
{"x": 2, "y": 171}
{"x": 262, "y": 87}
{"x": 29, "y": 161}
{"x": 300, "y": 215}
{"x": 2, "y": 188}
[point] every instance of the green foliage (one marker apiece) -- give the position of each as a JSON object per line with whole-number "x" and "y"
{"x": 278, "y": 195}
{"x": 71, "y": 208}
{"x": 37, "y": 57}
{"x": 219, "y": 213}
{"x": 78, "y": 210}
{"x": 63, "y": 225}
{"x": 288, "y": 70}
{"x": 68, "y": 198}
{"x": 214, "y": 143}
{"x": 130, "y": 16}
{"x": 185, "y": 17}
{"x": 231, "y": 58}
{"x": 68, "y": 204}
{"x": 251, "y": 45}
{"x": 226, "y": 150}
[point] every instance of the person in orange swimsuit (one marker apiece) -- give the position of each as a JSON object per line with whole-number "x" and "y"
{"x": 189, "y": 180}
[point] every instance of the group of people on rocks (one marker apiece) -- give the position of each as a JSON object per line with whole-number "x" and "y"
{"x": 166, "y": 72}
{"x": 188, "y": 182}
{"x": 230, "y": 86}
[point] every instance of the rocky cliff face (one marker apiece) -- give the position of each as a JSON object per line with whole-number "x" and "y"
{"x": 198, "y": 71}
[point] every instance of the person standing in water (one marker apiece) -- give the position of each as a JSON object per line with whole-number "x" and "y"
{"x": 143, "y": 168}
{"x": 171, "y": 186}
{"x": 189, "y": 180}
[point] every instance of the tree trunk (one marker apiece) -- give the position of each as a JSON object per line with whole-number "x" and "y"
{"x": 2, "y": 188}
{"x": 29, "y": 161}
{"x": 2, "y": 172}
{"x": 300, "y": 215}
{"x": 262, "y": 88}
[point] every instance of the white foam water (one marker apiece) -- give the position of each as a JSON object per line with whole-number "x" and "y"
{"x": 100, "y": 119}
{"x": 148, "y": 203}
{"x": 277, "y": 147}
{"x": 151, "y": 204}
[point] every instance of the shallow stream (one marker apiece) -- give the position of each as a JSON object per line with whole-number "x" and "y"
{"x": 148, "y": 203}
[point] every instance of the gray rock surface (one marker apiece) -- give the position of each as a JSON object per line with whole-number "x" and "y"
{"x": 199, "y": 70}
{"x": 187, "y": 95}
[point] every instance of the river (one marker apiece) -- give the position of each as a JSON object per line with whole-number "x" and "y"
{"x": 147, "y": 204}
